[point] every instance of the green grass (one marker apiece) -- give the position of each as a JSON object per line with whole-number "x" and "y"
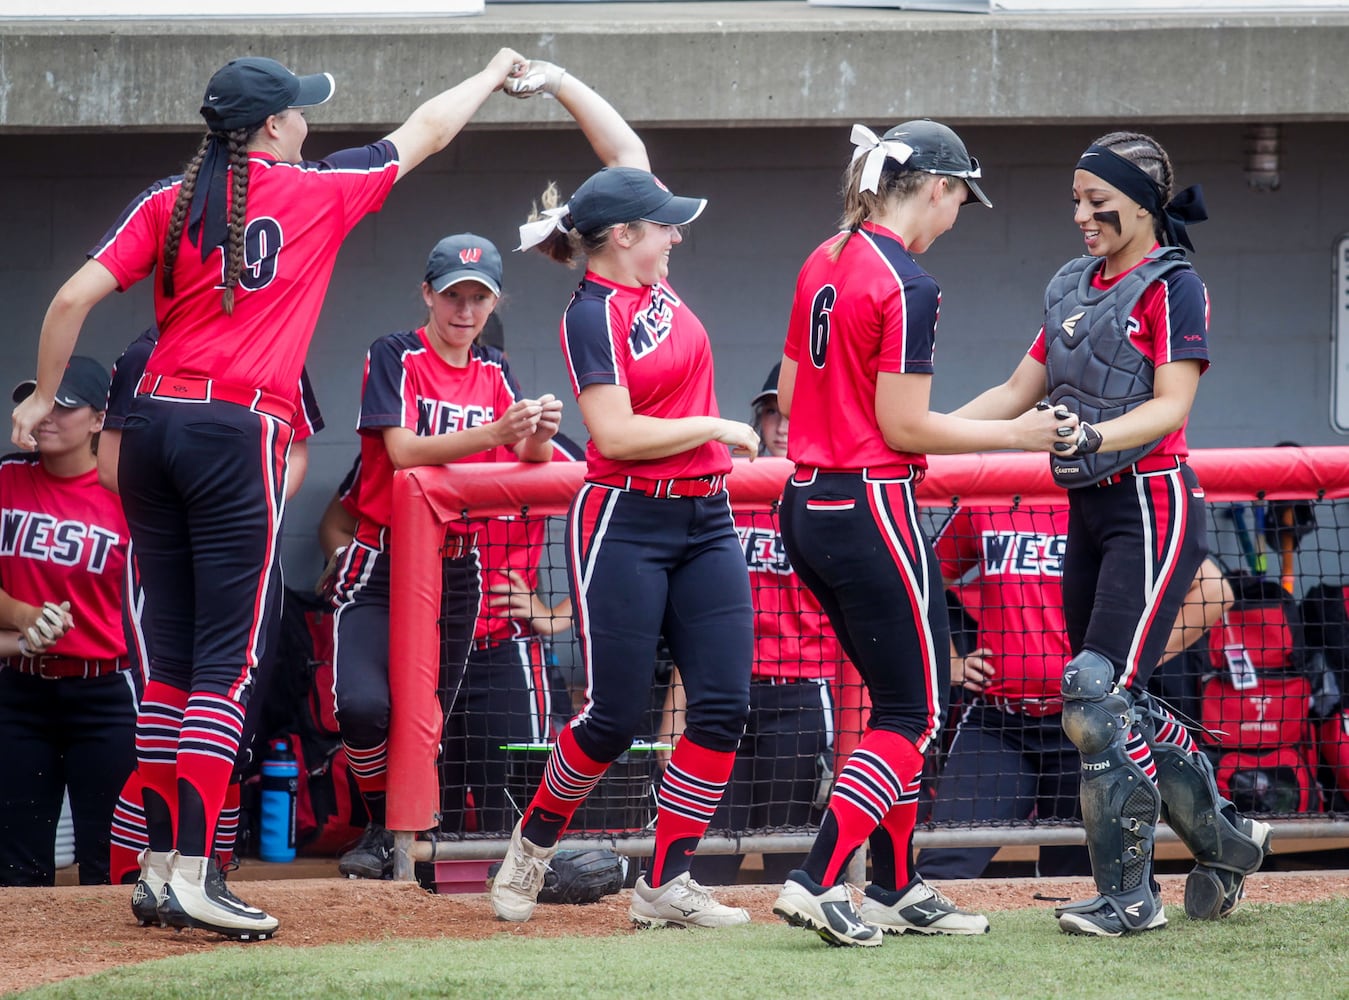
{"x": 1265, "y": 951}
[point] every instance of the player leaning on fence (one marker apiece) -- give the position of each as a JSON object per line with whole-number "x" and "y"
{"x": 1124, "y": 341}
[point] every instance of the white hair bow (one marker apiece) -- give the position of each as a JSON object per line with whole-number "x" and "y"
{"x": 877, "y": 151}
{"x": 534, "y": 233}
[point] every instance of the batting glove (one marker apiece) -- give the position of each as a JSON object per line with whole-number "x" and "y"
{"x": 540, "y": 78}
{"x": 1088, "y": 441}
{"x": 50, "y": 626}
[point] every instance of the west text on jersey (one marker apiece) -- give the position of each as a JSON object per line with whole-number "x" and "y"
{"x": 435, "y": 416}
{"x": 33, "y": 535}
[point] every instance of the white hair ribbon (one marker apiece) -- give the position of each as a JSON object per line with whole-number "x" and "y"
{"x": 534, "y": 233}
{"x": 877, "y": 151}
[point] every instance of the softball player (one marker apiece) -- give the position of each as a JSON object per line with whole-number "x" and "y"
{"x": 244, "y": 243}
{"x": 67, "y": 709}
{"x": 651, "y": 544}
{"x": 130, "y": 835}
{"x": 430, "y": 396}
{"x": 855, "y": 381}
{"x": 1124, "y": 341}
{"x": 1010, "y": 757}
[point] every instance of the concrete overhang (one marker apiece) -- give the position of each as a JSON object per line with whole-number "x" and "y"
{"x": 705, "y": 64}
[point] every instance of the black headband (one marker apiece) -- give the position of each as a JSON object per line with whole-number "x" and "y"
{"x": 208, "y": 214}
{"x": 1133, "y": 180}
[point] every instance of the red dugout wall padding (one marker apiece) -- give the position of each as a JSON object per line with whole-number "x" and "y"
{"x": 426, "y": 499}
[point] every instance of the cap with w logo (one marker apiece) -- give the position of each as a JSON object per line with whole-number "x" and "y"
{"x": 464, "y": 257}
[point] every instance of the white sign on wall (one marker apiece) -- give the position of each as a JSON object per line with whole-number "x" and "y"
{"x": 1339, "y": 340}
{"x": 195, "y": 9}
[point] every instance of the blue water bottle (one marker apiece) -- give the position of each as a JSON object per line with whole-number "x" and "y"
{"x": 280, "y": 781}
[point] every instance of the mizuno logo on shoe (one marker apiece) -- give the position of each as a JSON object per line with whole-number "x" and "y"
{"x": 841, "y": 919}
{"x": 690, "y": 911}
{"x": 925, "y": 913}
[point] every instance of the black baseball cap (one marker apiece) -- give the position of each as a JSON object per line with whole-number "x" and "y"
{"x": 464, "y": 257}
{"x": 245, "y": 91}
{"x": 626, "y": 194}
{"x": 85, "y": 383}
{"x": 770, "y": 386}
{"x": 938, "y": 150}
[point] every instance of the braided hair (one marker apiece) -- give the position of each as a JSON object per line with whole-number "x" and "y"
{"x": 179, "y": 217}
{"x": 1146, "y": 153}
{"x": 234, "y": 265}
{"x": 237, "y": 140}
{"x": 896, "y": 183}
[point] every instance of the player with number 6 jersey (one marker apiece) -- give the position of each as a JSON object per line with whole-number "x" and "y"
{"x": 242, "y": 246}
{"x": 855, "y": 382}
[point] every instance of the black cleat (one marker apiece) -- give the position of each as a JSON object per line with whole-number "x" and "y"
{"x": 371, "y": 857}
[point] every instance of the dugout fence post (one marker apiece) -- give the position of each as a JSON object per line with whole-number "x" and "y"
{"x": 415, "y": 720}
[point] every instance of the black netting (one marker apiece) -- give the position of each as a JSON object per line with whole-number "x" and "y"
{"x": 1255, "y": 672}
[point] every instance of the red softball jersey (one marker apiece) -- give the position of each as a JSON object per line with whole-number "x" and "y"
{"x": 65, "y": 539}
{"x": 873, "y": 310}
{"x": 792, "y": 635}
{"x": 647, "y": 340}
{"x": 1169, "y": 323}
{"x": 407, "y": 384}
{"x": 1015, "y": 558}
{"x": 298, "y": 215}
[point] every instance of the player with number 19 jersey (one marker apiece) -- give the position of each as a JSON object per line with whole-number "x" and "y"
{"x": 298, "y": 215}
{"x": 834, "y": 316}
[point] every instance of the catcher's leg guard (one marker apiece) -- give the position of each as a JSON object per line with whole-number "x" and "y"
{"x": 1120, "y": 804}
{"x": 1227, "y": 846}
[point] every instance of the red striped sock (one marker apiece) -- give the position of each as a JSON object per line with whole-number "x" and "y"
{"x": 568, "y": 778}
{"x": 207, "y": 749}
{"x": 157, "y": 731}
{"x": 867, "y": 789}
{"x": 369, "y": 766}
{"x": 892, "y": 841}
{"x": 227, "y": 830}
{"x": 129, "y": 834}
{"x": 690, "y": 789}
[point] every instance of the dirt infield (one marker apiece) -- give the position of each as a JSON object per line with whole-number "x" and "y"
{"x": 53, "y": 934}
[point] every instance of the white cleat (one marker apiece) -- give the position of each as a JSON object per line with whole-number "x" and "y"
{"x": 149, "y": 888}
{"x": 196, "y": 896}
{"x": 828, "y": 912}
{"x": 515, "y": 887}
{"x": 918, "y": 909}
{"x": 681, "y": 902}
